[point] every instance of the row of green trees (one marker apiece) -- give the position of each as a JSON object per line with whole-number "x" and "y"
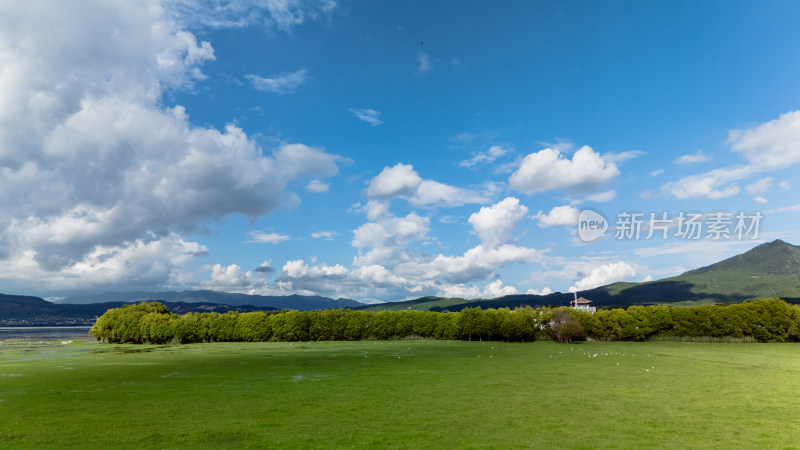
{"x": 151, "y": 322}
{"x": 766, "y": 320}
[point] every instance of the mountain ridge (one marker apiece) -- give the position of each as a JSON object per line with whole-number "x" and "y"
{"x": 294, "y": 301}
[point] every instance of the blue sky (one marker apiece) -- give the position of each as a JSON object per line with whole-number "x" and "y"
{"x": 387, "y": 150}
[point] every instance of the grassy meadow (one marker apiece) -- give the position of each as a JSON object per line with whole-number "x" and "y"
{"x": 400, "y": 394}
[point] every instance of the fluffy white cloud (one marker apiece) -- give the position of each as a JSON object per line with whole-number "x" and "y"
{"x": 692, "y": 158}
{"x": 770, "y": 145}
{"x": 605, "y": 274}
{"x": 92, "y": 162}
{"x": 386, "y": 238}
{"x": 402, "y": 181}
{"x": 228, "y": 278}
{"x": 492, "y": 290}
{"x": 477, "y": 263}
{"x": 367, "y": 115}
{"x": 460, "y": 291}
{"x": 487, "y": 157}
{"x": 560, "y": 215}
{"x": 281, "y": 84}
{"x": 495, "y": 224}
{"x": 293, "y": 161}
{"x": 388, "y": 268}
{"x": 544, "y": 291}
{"x": 496, "y": 289}
{"x": 548, "y": 169}
{"x": 129, "y": 265}
{"x": 298, "y": 269}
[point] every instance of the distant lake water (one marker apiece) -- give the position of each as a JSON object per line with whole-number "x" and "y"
{"x": 45, "y": 333}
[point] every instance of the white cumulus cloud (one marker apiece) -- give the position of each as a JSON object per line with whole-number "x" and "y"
{"x": 544, "y": 291}
{"x": 496, "y": 289}
{"x": 228, "y": 278}
{"x": 92, "y": 162}
{"x": 495, "y": 224}
{"x": 548, "y": 169}
{"x": 605, "y": 274}
{"x": 402, "y": 181}
{"x": 560, "y": 215}
{"x": 770, "y": 145}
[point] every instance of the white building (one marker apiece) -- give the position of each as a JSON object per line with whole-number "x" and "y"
{"x": 582, "y": 304}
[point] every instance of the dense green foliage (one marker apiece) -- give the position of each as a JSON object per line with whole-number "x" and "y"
{"x": 150, "y": 322}
{"x": 400, "y": 394}
{"x": 766, "y": 320}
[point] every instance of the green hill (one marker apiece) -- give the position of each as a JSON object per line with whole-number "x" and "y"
{"x": 768, "y": 270}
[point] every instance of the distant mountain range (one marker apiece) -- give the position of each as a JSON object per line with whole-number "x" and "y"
{"x": 768, "y": 270}
{"x": 18, "y": 310}
{"x": 299, "y": 302}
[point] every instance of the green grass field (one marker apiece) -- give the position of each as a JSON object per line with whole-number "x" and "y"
{"x": 401, "y": 394}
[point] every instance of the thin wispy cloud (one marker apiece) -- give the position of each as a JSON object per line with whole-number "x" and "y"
{"x": 317, "y": 186}
{"x": 367, "y": 115}
{"x": 259, "y": 237}
{"x": 693, "y": 158}
{"x": 327, "y": 235}
{"x": 281, "y": 14}
{"x": 487, "y": 157}
{"x": 621, "y": 156}
{"x": 425, "y": 64}
{"x": 281, "y": 84}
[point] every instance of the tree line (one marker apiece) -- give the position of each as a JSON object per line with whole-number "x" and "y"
{"x": 765, "y": 320}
